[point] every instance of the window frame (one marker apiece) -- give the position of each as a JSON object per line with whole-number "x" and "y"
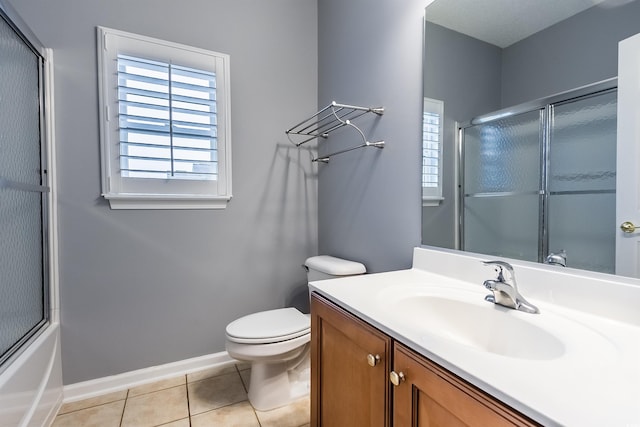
{"x": 152, "y": 193}
{"x": 432, "y": 196}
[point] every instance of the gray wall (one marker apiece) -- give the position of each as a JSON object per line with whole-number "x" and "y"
{"x": 575, "y": 52}
{"x": 369, "y": 199}
{"x": 142, "y": 288}
{"x": 465, "y": 74}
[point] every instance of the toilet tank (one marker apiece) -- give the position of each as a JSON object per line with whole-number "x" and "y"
{"x": 323, "y": 267}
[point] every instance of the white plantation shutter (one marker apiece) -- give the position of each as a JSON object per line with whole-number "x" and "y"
{"x": 165, "y": 134}
{"x": 432, "y": 125}
{"x": 167, "y": 120}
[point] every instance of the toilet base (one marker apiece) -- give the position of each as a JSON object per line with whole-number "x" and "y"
{"x": 273, "y": 385}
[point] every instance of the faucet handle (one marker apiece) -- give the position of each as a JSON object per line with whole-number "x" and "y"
{"x": 559, "y": 258}
{"x": 502, "y": 265}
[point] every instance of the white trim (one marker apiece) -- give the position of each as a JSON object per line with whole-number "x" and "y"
{"x": 178, "y": 201}
{"x": 100, "y": 386}
{"x": 54, "y": 301}
{"x": 54, "y": 387}
{"x": 432, "y": 196}
{"x": 456, "y": 185}
{"x": 627, "y": 248}
{"x": 432, "y": 201}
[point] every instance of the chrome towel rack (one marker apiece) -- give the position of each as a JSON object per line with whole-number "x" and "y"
{"x": 330, "y": 118}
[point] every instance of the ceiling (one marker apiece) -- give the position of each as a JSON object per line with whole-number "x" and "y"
{"x": 504, "y": 22}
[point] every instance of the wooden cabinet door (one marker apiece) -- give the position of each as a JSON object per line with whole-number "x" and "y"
{"x": 430, "y": 396}
{"x": 346, "y": 391}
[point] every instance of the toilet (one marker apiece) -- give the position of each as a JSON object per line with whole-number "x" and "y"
{"x": 277, "y": 342}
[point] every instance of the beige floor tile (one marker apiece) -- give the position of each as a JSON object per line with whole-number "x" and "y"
{"x": 94, "y": 401}
{"x": 243, "y": 365}
{"x": 180, "y": 423}
{"x": 237, "y": 415}
{"x": 215, "y": 392}
{"x": 107, "y": 415}
{"x": 156, "y": 386}
{"x": 212, "y": 372}
{"x": 293, "y": 415}
{"x": 246, "y": 377}
{"x": 158, "y": 407}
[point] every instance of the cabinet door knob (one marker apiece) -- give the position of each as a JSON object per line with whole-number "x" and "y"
{"x": 396, "y": 378}
{"x": 373, "y": 360}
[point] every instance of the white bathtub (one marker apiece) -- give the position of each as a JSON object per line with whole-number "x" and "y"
{"x": 31, "y": 387}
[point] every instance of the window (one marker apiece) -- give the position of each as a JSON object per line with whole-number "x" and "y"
{"x": 165, "y": 134}
{"x": 432, "y": 124}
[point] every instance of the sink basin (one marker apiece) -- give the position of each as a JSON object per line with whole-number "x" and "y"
{"x": 456, "y": 321}
{"x": 481, "y": 325}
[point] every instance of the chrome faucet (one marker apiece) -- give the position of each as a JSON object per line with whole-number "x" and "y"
{"x": 557, "y": 259}
{"x": 505, "y": 293}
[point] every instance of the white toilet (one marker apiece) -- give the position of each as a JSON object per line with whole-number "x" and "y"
{"x": 277, "y": 342}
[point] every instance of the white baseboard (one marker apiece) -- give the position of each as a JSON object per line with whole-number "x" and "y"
{"x": 99, "y": 386}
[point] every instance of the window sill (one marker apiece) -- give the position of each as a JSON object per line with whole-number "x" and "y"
{"x": 165, "y": 201}
{"x": 435, "y": 201}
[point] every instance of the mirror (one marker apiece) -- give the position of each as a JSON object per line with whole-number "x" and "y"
{"x": 484, "y": 57}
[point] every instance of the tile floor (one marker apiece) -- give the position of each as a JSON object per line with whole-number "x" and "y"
{"x": 215, "y": 397}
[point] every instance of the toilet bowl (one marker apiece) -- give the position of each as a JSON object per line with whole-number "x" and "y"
{"x": 277, "y": 342}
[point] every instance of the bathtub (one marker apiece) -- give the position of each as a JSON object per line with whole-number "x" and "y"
{"x": 31, "y": 386}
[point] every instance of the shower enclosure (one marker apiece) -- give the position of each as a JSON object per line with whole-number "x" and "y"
{"x": 30, "y": 368}
{"x": 540, "y": 178}
{"x": 23, "y": 195}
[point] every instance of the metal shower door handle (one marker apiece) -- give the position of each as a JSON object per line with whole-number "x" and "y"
{"x": 628, "y": 227}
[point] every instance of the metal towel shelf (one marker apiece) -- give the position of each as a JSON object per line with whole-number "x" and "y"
{"x": 332, "y": 117}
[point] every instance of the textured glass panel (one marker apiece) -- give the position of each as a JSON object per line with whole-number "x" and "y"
{"x": 19, "y": 112}
{"x": 22, "y": 298}
{"x": 503, "y": 156}
{"x": 583, "y": 225}
{"x": 582, "y": 153}
{"x": 502, "y": 226}
{"x": 21, "y": 290}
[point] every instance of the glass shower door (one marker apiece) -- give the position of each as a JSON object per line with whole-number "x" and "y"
{"x": 582, "y": 181}
{"x": 501, "y": 187}
{"x": 23, "y": 194}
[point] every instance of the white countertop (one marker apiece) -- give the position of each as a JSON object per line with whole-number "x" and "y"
{"x": 595, "y": 381}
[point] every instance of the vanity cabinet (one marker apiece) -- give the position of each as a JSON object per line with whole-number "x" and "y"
{"x": 428, "y": 395}
{"x": 350, "y": 365}
{"x": 353, "y": 366}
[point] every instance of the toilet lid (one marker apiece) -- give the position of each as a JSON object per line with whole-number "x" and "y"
{"x": 269, "y": 326}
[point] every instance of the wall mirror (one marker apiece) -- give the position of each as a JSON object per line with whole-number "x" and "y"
{"x": 532, "y": 85}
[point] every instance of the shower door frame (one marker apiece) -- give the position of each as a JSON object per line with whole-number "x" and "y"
{"x": 545, "y": 106}
{"x": 8, "y": 15}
